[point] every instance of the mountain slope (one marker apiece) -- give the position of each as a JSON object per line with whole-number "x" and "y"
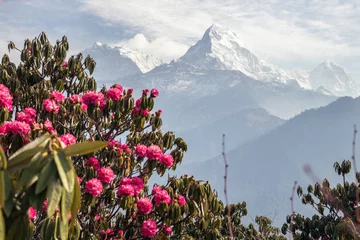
{"x": 240, "y": 127}
{"x": 117, "y": 62}
{"x": 262, "y": 172}
{"x": 334, "y": 78}
{"x": 220, "y": 48}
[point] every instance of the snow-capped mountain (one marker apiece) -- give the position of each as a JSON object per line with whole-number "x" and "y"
{"x": 333, "y": 78}
{"x": 221, "y": 49}
{"x": 119, "y": 61}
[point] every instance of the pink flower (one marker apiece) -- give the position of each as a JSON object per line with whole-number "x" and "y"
{"x": 125, "y": 190}
{"x": 84, "y": 107}
{"x": 154, "y": 93}
{"x": 153, "y": 152}
{"x": 181, "y": 200}
{"x": 156, "y": 189}
{"x": 57, "y": 96}
{"x": 95, "y": 98}
{"x": 94, "y": 163}
{"x": 148, "y": 228}
{"x": 162, "y": 196}
{"x": 68, "y": 139}
{"x": 141, "y": 150}
{"x": 136, "y": 111}
{"x": 30, "y": 112}
{"x": 137, "y": 184}
{"x": 28, "y": 115}
{"x": 64, "y": 65}
{"x": 167, "y": 229}
{"x": 49, "y": 127}
{"x": 94, "y": 187}
{"x": 144, "y": 205}
{"x": 118, "y": 86}
{"x": 105, "y": 174}
{"x": 138, "y": 102}
{"x": 120, "y": 233}
{"x": 145, "y": 112}
{"x": 15, "y": 128}
{"x": 125, "y": 181}
{"x": 32, "y": 213}
{"x": 44, "y": 207}
{"x": 79, "y": 179}
{"x": 51, "y": 106}
{"x": 166, "y": 160}
{"x": 130, "y": 91}
{"x": 114, "y": 94}
{"x": 76, "y": 98}
{"x": 97, "y": 217}
{"x": 145, "y": 92}
{"x": 5, "y": 98}
{"x": 158, "y": 113}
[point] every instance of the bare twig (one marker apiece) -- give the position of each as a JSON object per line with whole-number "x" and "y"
{"x": 356, "y": 173}
{"x": 225, "y": 186}
{"x": 292, "y": 210}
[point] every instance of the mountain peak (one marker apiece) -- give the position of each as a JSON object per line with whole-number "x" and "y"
{"x": 334, "y": 78}
{"x": 119, "y": 61}
{"x": 221, "y": 49}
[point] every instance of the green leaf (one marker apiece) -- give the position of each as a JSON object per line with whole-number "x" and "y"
{"x": 63, "y": 169}
{"x": 53, "y": 194}
{"x": 39, "y": 142}
{"x": 84, "y": 148}
{"x": 76, "y": 202}
{"x": 2, "y": 226}
{"x": 31, "y": 172}
{"x": 3, "y": 159}
{"x": 2, "y": 189}
{"x": 66, "y": 201}
{"x": 45, "y": 173}
{"x": 22, "y": 159}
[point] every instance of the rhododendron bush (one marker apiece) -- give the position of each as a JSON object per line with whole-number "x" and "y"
{"x": 65, "y": 173}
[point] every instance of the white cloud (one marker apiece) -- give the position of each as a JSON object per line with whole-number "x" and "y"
{"x": 163, "y": 48}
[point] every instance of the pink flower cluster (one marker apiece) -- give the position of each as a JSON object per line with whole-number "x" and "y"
{"x": 77, "y": 99}
{"x": 167, "y": 229}
{"x": 162, "y": 196}
{"x": 154, "y": 152}
{"x": 28, "y": 115}
{"x": 68, "y": 139}
{"x": 94, "y": 98}
{"x": 130, "y": 186}
{"x": 32, "y": 213}
{"x": 148, "y": 228}
{"x": 105, "y": 175}
{"x": 94, "y": 187}
{"x": 94, "y": 163}
{"x": 114, "y": 93}
{"x": 5, "y": 98}
{"x": 15, "y": 128}
{"x": 144, "y": 205}
{"x": 52, "y": 104}
{"x": 49, "y": 127}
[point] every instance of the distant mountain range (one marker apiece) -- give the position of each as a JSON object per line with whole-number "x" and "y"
{"x": 263, "y": 171}
{"x": 219, "y": 86}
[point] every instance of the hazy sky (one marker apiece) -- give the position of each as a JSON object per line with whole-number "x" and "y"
{"x": 295, "y": 34}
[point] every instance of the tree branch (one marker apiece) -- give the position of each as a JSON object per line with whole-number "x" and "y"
{"x": 225, "y": 187}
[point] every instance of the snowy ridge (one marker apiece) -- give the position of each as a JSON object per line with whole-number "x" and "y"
{"x": 334, "y": 79}
{"x": 119, "y": 61}
{"x": 221, "y": 49}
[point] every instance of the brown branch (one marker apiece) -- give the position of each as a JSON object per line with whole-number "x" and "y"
{"x": 356, "y": 173}
{"x": 225, "y": 187}
{"x": 292, "y": 210}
